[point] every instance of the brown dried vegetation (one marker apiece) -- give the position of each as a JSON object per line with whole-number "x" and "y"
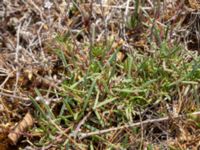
{"x": 27, "y": 62}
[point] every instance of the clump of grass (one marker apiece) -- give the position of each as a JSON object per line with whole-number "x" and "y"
{"x": 115, "y": 92}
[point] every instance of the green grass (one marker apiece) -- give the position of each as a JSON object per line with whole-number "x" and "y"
{"x": 114, "y": 92}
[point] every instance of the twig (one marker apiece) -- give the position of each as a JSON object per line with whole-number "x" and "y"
{"x": 120, "y": 7}
{"x": 84, "y": 135}
{"x": 17, "y": 58}
{"x": 18, "y": 42}
{"x": 150, "y": 3}
{"x": 17, "y": 80}
{"x": 13, "y": 96}
{"x": 80, "y": 124}
{"x": 6, "y": 79}
{"x": 37, "y": 9}
{"x": 126, "y": 10}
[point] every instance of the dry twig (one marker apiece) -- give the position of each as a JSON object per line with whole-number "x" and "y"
{"x": 84, "y": 135}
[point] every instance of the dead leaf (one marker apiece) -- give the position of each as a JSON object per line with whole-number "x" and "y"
{"x": 21, "y": 127}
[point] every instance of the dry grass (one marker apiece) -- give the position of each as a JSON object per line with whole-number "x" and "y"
{"x": 100, "y": 75}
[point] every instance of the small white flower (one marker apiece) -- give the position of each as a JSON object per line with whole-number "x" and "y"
{"x": 38, "y": 98}
{"x": 48, "y": 4}
{"x": 47, "y": 102}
